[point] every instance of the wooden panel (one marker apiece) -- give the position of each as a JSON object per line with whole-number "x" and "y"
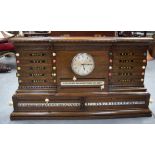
{"x": 64, "y": 68}
{"x": 65, "y": 73}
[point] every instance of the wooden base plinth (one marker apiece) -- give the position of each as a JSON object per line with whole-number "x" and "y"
{"x": 81, "y": 115}
{"x": 63, "y": 106}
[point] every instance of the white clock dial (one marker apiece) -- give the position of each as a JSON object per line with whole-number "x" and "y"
{"x": 83, "y": 64}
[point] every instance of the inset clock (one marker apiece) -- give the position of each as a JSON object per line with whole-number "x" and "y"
{"x": 83, "y": 64}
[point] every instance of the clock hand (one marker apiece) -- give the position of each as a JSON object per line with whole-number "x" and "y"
{"x": 86, "y": 64}
{"x": 83, "y": 66}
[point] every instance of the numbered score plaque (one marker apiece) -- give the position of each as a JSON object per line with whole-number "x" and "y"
{"x": 87, "y": 77}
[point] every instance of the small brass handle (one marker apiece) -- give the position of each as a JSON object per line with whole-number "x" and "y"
{"x": 47, "y": 100}
{"x": 10, "y": 103}
{"x": 102, "y": 87}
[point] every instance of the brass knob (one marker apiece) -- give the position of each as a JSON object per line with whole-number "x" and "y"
{"x": 17, "y": 74}
{"x": 110, "y": 67}
{"x": 74, "y": 78}
{"x": 54, "y": 68}
{"x": 144, "y": 61}
{"x": 142, "y": 80}
{"x": 17, "y": 54}
{"x": 54, "y": 54}
{"x": 110, "y": 60}
{"x": 47, "y": 100}
{"x": 18, "y": 68}
{"x": 54, "y": 74}
{"x": 151, "y": 100}
{"x": 10, "y": 103}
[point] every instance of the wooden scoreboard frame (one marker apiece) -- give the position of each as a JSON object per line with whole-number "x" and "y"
{"x": 48, "y": 90}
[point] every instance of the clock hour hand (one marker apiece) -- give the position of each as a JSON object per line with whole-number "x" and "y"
{"x": 83, "y": 66}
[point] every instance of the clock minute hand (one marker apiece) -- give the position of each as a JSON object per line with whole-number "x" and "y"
{"x": 86, "y": 64}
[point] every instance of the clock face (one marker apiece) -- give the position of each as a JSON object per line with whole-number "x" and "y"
{"x": 83, "y": 64}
